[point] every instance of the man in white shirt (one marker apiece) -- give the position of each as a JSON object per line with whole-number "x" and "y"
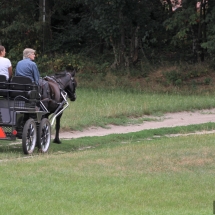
{"x": 5, "y": 64}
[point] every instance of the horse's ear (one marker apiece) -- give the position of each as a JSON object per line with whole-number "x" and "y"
{"x": 69, "y": 68}
{"x": 73, "y": 73}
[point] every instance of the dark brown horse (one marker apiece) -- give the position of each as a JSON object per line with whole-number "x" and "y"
{"x": 54, "y": 90}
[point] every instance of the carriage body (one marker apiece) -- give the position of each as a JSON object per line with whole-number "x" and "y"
{"x": 20, "y": 116}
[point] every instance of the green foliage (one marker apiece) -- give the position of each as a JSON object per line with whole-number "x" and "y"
{"x": 49, "y": 64}
{"x": 131, "y": 32}
{"x": 188, "y": 27}
{"x": 209, "y": 45}
{"x": 207, "y": 81}
{"x": 173, "y": 77}
{"x": 19, "y": 24}
{"x": 181, "y": 24}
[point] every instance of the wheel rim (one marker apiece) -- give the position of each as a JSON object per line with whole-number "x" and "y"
{"x": 31, "y": 138}
{"x": 45, "y": 137}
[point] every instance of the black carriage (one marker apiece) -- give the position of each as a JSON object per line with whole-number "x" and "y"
{"x": 22, "y": 114}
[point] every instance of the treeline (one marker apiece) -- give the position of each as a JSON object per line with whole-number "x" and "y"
{"x": 120, "y": 33}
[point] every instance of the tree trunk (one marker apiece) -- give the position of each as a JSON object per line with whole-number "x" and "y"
{"x": 196, "y": 30}
{"x": 123, "y": 59}
{"x": 101, "y": 46}
{"x": 115, "y": 63}
{"x": 45, "y": 18}
{"x": 134, "y": 53}
{"x": 170, "y": 5}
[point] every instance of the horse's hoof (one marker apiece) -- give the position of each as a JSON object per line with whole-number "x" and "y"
{"x": 57, "y": 141}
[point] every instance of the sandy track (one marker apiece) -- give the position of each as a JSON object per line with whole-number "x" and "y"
{"x": 168, "y": 120}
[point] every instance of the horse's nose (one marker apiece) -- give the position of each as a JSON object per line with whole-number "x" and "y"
{"x": 73, "y": 98}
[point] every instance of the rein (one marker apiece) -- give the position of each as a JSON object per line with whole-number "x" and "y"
{"x": 58, "y": 80}
{"x": 60, "y": 83}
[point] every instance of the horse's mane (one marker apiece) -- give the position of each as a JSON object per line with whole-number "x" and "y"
{"x": 60, "y": 74}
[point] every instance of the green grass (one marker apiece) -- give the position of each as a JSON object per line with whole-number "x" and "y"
{"x": 143, "y": 172}
{"x": 100, "y": 107}
{"x": 128, "y": 175}
{"x": 13, "y": 150}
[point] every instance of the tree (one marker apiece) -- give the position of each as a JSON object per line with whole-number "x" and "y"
{"x": 209, "y": 42}
{"x": 19, "y": 26}
{"x": 125, "y": 25}
{"x": 45, "y": 20}
{"x": 190, "y": 27}
{"x": 131, "y": 30}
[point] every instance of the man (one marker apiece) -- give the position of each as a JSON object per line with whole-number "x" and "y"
{"x": 5, "y": 64}
{"x": 27, "y": 67}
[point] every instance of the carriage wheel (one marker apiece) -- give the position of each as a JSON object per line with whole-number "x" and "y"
{"x": 44, "y": 135}
{"x": 29, "y": 136}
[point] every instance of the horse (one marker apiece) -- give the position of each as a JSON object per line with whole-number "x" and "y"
{"x": 52, "y": 90}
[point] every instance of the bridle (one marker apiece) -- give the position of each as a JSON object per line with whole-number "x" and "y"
{"x": 62, "y": 85}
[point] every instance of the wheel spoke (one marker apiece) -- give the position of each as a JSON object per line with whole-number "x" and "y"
{"x": 29, "y": 136}
{"x": 44, "y": 135}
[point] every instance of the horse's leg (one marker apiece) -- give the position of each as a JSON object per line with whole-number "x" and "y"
{"x": 57, "y": 129}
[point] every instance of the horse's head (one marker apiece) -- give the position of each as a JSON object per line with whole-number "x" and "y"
{"x": 68, "y": 83}
{"x": 72, "y": 84}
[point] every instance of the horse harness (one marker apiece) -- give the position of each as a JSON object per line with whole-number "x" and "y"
{"x": 50, "y": 82}
{"x": 59, "y": 81}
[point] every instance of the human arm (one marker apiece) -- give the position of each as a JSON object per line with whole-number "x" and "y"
{"x": 36, "y": 74}
{"x": 10, "y": 72}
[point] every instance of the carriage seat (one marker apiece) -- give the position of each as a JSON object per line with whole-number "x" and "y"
{"x": 23, "y": 86}
{"x": 3, "y": 86}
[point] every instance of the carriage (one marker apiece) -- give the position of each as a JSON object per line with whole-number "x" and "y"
{"x": 24, "y": 116}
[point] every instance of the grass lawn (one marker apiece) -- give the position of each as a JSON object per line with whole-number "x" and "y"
{"x": 119, "y": 174}
{"x": 137, "y": 173}
{"x": 101, "y": 107}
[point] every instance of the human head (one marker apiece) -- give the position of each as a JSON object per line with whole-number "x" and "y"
{"x": 29, "y": 53}
{"x": 2, "y": 51}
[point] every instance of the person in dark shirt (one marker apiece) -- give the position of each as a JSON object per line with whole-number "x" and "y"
{"x": 27, "y": 67}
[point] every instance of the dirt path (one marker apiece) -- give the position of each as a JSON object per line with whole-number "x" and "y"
{"x": 168, "y": 120}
